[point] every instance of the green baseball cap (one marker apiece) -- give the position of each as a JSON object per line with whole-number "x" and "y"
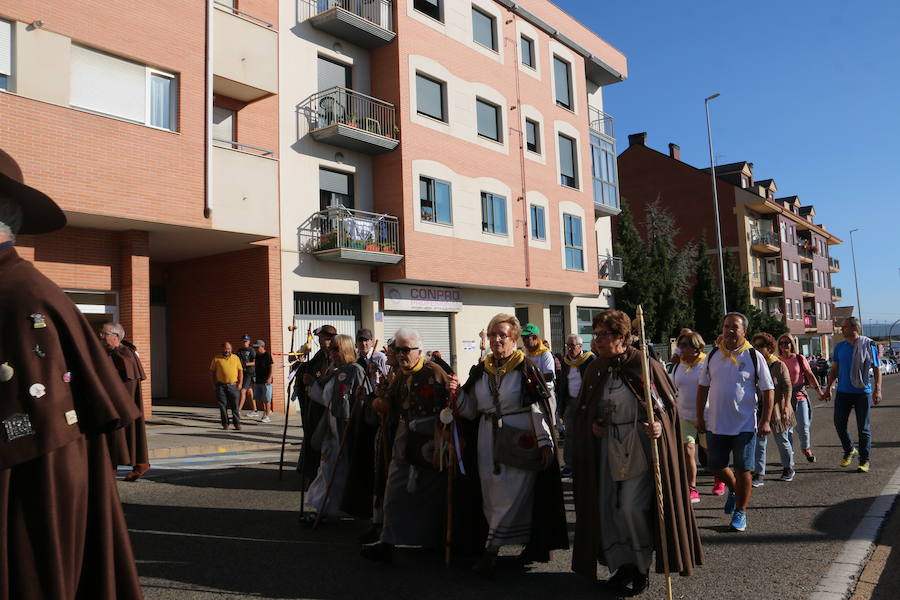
{"x": 531, "y": 329}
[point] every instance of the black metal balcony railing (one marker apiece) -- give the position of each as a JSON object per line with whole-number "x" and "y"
{"x": 341, "y": 106}
{"x": 804, "y": 252}
{"x": 808, "y": 286}
{"x": 809, "y": 321}
{"x": 763, "y": 238}
{"x": 229, "y": 6}
{"x": 377, "y": 12}
{"x": 767, "y": 280}
{"x": 601, "y": 122}
{"x": 611, "y": 268}
{"x": 836, "y": 292}
{"x": 834, "y": 263}
{"x": 341, "y": 227}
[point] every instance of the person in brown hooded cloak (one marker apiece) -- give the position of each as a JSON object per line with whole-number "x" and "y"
{"x": 64, "y": 534}
{"x": 615, "y": 500}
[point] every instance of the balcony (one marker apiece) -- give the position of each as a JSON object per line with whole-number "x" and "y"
{"x": 244, "y": 189}
{"x": 836, "y": 294}
{"x": 366, "y": 23}
{"x": 351, "y": 120}
{"x": 765, "y": 242}
{"x": 604, "y": 169}
{"x": 767, "y": 283}
{"x": 244, "y": 55}
{"x": 352, "y": 236}
{"x": 611, "y": 272}
{"x": 805, "y": 253}
{"x": 601, "y": 123}
{"x": 834, "y": 265}
{"x": 809, "y": 288}
{"x": 809, "y": 323}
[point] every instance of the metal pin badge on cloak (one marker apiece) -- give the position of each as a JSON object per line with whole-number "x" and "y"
{"x": 6, "y": 372}
{"x": 38, "y": 351}
{"x": 37, "y": 320}
{"x": 37, "y": 390}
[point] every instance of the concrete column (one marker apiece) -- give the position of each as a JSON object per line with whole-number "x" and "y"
{"x": 277, "y": 328}
{"x": 134, "y": 300}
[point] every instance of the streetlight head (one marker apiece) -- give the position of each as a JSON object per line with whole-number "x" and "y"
{"x": 711, "y": 97}
{"x": 852, "y": 230}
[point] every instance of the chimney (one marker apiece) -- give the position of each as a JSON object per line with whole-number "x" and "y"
{"x": 637, "y": 139}
{"x": 675, "y": 151}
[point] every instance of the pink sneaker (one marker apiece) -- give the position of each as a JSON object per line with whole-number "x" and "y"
{"x": 695, "y": 496}
{"x": 719, "y": 488}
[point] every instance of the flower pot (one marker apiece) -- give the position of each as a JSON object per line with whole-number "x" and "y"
{"x": 373, "y": 247}
{"x": 388, "y": 249}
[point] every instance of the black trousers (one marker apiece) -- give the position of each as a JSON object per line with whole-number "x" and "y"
{"x": 227, "y": 396}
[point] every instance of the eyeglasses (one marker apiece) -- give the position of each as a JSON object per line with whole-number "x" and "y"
{"x": 499, "y": 336}
{"x": 404, "y": 349}
{"x": 603, "y": 334}
{"x": 572, "y": 345}
{"x": 529, "y": 337}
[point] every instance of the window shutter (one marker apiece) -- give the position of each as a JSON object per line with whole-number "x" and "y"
{"x": 334, "y": 182}
{"x": 108, "y": 85}
{"x": 5, "y": 48}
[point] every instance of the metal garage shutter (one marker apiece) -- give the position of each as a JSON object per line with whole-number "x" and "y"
{"x": 434, "y": 329}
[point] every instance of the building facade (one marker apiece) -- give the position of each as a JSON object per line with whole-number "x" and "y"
{"x": 448, "y": 161}
{"x": 776, "y": 241}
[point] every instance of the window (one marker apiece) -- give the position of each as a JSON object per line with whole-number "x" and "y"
{"x": 785, "y": 270}
{"x": 562, "y": 75}
{"x": 5, "y": 54}
{"x": 797, "y": 312}
{"x": 121, "y": 88}
{"x": 532, "y": 136}
{"x": 432, "y": 8}
{"x": 789, "y": 312}
{"x": 783, "y": 232}
{"x": 223, "y": 124}
{"x": 603, "y": 168}
{"x": 538, "y": 231}
{"x": 745, "y": 181}
{"x": 573, "y": 242}
{"x": 493, "y": 213}
{"x": 484, "y": 28}
{"x": 335, "y": 189}
{"x": 430, "y": 97}
{"x": 567, "y": 161}
{"x": 331, "y": 74}
{"x": 434, "y": 198}
{"x": 488, "y": 120}
{"x": 526, "y": 45}
{"x": 585, "y": 322}
{"x": 795, "y": 271}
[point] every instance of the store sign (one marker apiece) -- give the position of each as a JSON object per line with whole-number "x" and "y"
{"x": 421, "y": 297}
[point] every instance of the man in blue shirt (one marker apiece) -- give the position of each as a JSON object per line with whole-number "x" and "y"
{"x": 850, "y": 365}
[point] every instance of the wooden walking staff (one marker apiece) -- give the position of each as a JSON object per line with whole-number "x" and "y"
{"x": 448, "y": 418}
{"x": 287, "y": 402}
{"x": 654, "y": 450}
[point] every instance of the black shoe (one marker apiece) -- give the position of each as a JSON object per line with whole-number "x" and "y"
{"x": 618, "y": 582}
{"x": 308, "y": 519}
{"x": 371, "y": 535}
{"x": 379, "y": 552}
{"x": 639, "y": 584}
{"x": 530, "y": 555}
{"x": 486, "y": 565}
{"x": 566, "y": 473}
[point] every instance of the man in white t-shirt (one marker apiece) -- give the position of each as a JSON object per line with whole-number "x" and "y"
{"x": 739, "y": 388}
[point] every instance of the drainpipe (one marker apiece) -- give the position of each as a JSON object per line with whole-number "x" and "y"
{"x": 207, "y": 171}
{"x": 521, "y": 131}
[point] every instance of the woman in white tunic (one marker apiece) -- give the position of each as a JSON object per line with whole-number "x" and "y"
{"x": 336, "y": 392}
{"x": 507, "y": 391}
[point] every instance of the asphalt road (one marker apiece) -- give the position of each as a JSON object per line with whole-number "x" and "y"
{"x": 226, "y": 527}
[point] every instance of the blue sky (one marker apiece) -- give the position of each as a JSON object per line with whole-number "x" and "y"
{"x": 810, "y": 95}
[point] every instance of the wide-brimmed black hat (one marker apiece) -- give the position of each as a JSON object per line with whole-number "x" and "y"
{"x": 40, "y": 214}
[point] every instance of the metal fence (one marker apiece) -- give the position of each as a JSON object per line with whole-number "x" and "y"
{"x": 808, "y": 286}
{"x": 341, "y": 227}
{"x": 601, "y": 122}
{"x": 339, "y": 105}
{"x": 377, "y": 12}
{"x": 767, "y": 238}
{"x": 767, "y": 280}
{"x": 804, "y": 252}
{"x": 834, "y": 263}
{"x": 229, "y": 6}
{"x": 611, "y": 268}
{"x": 809, "y": 321}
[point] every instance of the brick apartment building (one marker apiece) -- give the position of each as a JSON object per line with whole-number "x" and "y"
{"x": 448, "y": 161}
{"x": 171, "y": 232}
{"x": 253, "y": 163}
{"x": 776, "y": 241}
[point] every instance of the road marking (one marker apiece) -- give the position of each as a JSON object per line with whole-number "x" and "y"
{"x": 839, "y": 581}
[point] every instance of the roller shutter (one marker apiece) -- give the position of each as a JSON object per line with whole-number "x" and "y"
{"x": 433, "y": 327}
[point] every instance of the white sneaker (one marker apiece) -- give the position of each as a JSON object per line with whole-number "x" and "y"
{"x": 254, "y": 414}
{"x": 266, "y": 420}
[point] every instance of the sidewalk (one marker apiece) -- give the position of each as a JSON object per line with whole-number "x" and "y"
{"x": 880, "y": 579}
{"x": 175, "y": 431}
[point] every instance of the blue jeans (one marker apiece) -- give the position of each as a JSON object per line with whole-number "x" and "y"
{"x": 722, "y": 447}
{"x": 803, "y": 410}
{"x": 861, "y": 403}
{"x": 785, "y": 451}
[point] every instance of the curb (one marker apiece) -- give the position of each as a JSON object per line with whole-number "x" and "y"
{"x": 840, "y": 580}
{"x": 181, "y": 451}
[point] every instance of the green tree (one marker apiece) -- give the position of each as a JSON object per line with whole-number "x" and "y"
{"x": 630, "y": 247}
{"x": 707, "y": 298}
{"x": 761, "y": 321}
{"x": 672, "y": 268}
{"x": 737, "y": 286}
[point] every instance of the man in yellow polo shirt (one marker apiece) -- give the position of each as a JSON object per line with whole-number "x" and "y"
{"x": 227, "y": 376}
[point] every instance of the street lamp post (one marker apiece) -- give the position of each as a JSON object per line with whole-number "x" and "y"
{"x": 855, "y": 280}
{"x": 712, "y": 174}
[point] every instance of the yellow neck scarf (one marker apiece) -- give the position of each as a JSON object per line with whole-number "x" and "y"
{"x": 732, "y": 356}
{"x": 541, "y": 349}
{"x": 688, "y": 366}
{"x": 514, "y": 361}
{"x": 578, "y": 361}
{"x": 416, "y": 368}
{"x": 772, "y": 359}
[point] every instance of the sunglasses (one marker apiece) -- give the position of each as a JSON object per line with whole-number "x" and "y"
{"x": 572, "y": 345}
{"x": 404, "y": 349}
{"x": 785, "y": 343}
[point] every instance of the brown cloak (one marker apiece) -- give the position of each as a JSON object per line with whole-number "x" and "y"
{"x": 682, "y": 536}
{"x": 62, "y": 530}
{"x": 128, "y": 445}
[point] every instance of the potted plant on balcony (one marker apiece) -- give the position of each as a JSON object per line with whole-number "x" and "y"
{"x": 389, "y": 247}
{"x": 372, "y": 245}
{"x": 327, "y": 241}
